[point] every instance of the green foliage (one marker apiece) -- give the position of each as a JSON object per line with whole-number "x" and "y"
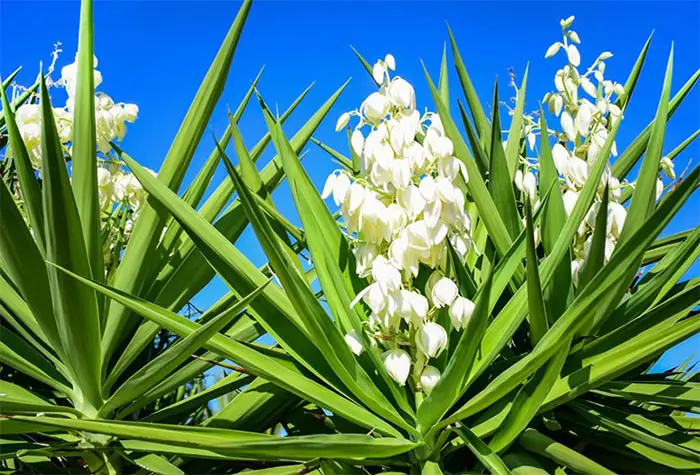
{"x": 103, "y": 366}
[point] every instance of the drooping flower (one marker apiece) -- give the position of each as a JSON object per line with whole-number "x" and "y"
{"x": 460, "y": 312}
{"x": 443, "y": 292}
{"x": 397, "y": 363}
{"x": 431, "y": 339}
{"x": 429, "y": 378}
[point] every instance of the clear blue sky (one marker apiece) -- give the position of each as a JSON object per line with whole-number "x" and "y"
{"x": 155, "y": 53}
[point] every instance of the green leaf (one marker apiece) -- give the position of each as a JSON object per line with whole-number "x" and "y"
{"x": 582, "y": 309}
{"x": 78, "y": 331}
{"x": 482, "y": 159}
{"x": 28, "y": 186}
{"x": 239, "y": 444}
{"x": 491, "y": 461}
{"x": 596, "y": 255}
{"x": 443, "y": 81}
{"x": 631, "y": 82}
{"x": 321, "y": 330}
{"x": 557, "y": 292}
{"x": 480, "y": 121}
{"x": 84, "y": 144}
{"x": 160, "y": 367}
{"x": 25, "y": 266}
{"x": 135, "y": 265}
{"x": 476, "y": 186}
{"x": 543, "y": 445}
{"x": 516, "y": 126}
{"x": 501, "y": 176}
{"x": 538, "y": 316}
{"x": 365, "y": 64}
{"x": 156, "y": 464}
{"x": 627, "y": 159}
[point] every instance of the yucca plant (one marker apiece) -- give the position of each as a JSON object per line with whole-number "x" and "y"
{"x": 476, "y": 306}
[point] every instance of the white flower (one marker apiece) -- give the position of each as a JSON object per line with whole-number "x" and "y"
{"x": 131, "y": 112}
{"x": 398, "y": 364}
{"x": 605, "y": 55}
{"x": 567, "y": 125}
{"x": 378, "y": 71}
{"x": 529, "y": 185}
{"x": 576, "y": 265}
{"x": 386, "y": 275}
{"x": 577, "y": 172}
{"x": 518, "y": 179}
{"x": 588, "y": 86}
{"x": 431, "y": 339}
{"x": 560, "y": 155}
{"x": 659, "y": 188}
{"x": 443, "y": 292}
{"x": 364, "y": 256}
{"x": 375, "y": 107}
{"x": 574, "y": 37}
{"x": 353, "y": 342}
{"x": 338, "y": 185}
{"x": 616, "y": 218}
{"x": 354, "y": 198}
{"x": 390, "y": 61}
{"x": 342, "y": 121}
{"x": 414, "y": 306}
{"x": 429, "y": 378}
{"x": 428, "y": 189}
{"x": 569, "y": 198}
{"x": 667, "y": 167}
{"x": 460, "y": 311}
{"x": 412, "y": 201}
{"x": 401, "y": 93}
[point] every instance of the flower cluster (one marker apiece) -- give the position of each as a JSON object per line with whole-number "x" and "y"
{"x": 400, "y": 209}
{"x": 110, "y": 117}
{"x": 585, "y": 120}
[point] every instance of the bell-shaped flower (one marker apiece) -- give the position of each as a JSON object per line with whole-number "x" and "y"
{"x": 375, "y": 107}
{"x": 552, "y": 50}
{"x": 386, "y": 275}
{"x": 390, "y": 61}
{"x": 429, "y": 378}
{"x": 364, "y": 256}
{"x": 588, "y": 87}
{"x": 659, "y": 188}
{"x": 354, "y": 198}
{"x": 569, "y": 197}
{"x": 443, "y": 292}
{"x": 378, "y": 72}
{"x": 560, "y": 155}
{"x": 396, "y": 220}
{"x": 428, "y": 188}
{"x": 577, "y": 172}
{"x": 402, "y": 94}
{"x": 616, "y": 219}
{"x": 529, "y": 185}
{"x": 567, "y": 125}
{"x": 403, "y": 256}
{"x": 357, "y": 142}
{"x": 414, "y": 306}
{"x": 401, "y": 173}
{"x": 431, "y": 339}
{"x": 460, "y": 312}
{"x": 397, "y": 364}
{"x": 353, "y": 342}
{"x": 412, "y": 201}
{"x": 131, "y": 112}
{"x": 518, "y": 179}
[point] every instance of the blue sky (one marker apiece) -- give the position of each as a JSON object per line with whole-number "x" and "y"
{"x": 155, "y": 53}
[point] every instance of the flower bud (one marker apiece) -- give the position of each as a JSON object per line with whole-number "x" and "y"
{"x": 574, "y": 55}
{"x": 667, "y": 167}
{"x": 342, "y": 121}
{"x": 443, "y": 292}
{"x": 398, "y": 364}
{"x": 460, "y": 312}
{"x": 431, "y": 339}
{"x": 574, "y": 37}
{"x": 378, "y": 72}
{"x": 565, "y": 23}
{"x": 390, "y": 61}
{"x": 560, "y": 155}
{"x": 552, "y": 50}
{"x": 659, "y": 188}
{"x": 353, "y": 342}
{"x": 429, "y": 378}
{"x": 605, "y": 55}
